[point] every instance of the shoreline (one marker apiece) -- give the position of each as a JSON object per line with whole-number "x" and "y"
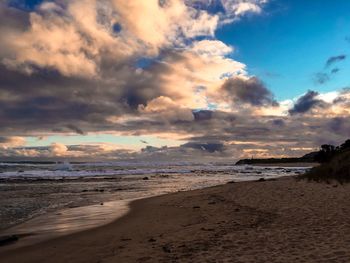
{"x": 36, "y": 238}
{"x": 39, "y": 228}
{"x": 25, "y": 199}
{"x": 271, "y": 221}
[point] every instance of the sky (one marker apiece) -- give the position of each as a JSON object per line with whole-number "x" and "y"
{"x": 172, "y": 79}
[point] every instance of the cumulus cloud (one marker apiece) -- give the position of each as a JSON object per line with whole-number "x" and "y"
{"x": 58, "y": 149}
{"x": 307, "y": 102}
{"x": 77, "y": 37}
{"x": 11, "y": 141}
{"x": 241, "y": 7}
{"x": 211, "y": 48}
{"x": 248, "y": 90}
{"x": 166, "y": 108}
{"x": 230, "y": 10}
{"x": 51, "y": 57}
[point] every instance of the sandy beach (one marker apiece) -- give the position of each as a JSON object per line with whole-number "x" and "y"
{"x": 282, "y": 220}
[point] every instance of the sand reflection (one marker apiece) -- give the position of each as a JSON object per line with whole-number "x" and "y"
{"x": 66, "y": 221}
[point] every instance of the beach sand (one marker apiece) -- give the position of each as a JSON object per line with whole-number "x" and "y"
{"x": 283, "y": 220}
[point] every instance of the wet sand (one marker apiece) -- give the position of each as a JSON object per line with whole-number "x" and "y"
{"x": 63, "y": 222}
{"x": 273, "y": 221}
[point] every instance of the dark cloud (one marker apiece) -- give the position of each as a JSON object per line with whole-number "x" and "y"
{"x": 219, "y": 136}
{"x": 75, "y": 129}
{"x": 46, "y": 98}
{"x": 336, "y": 124}
{"x": 343, "y": 98}
{"x": 152, "y": 149}
{"x": 13, "y": 18}
{"x": 340, "y": 125}
{"x": 335, "y": 70}
{"x": 335, "y": 59}
{"x": 306, "y": 102}
{"x": 251, "y": 91}
{"x": 4, "y": 139}
{"x": 278, "y": 122}
{"x": 324, "y": 76}
{"x": 321, "y": 78}
{"x": 202, "y": 115}
{"x": 209, "y": 147}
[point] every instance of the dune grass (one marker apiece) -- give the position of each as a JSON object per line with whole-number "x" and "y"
{"x": 337, "y": 169}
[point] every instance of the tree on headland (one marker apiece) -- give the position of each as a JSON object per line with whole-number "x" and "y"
{"x": 328, "y": 151}
{"x": 345, "y": 145}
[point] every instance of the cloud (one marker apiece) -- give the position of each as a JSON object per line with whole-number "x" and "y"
{"x": 209, "y": 147}
{"x": 11, "y": 141}
{"x": 75, "y": 129}
{"x": 203, "y": 115}
{"x": 335, "y": 70}
{"x": 248, "y": 90}
{"x": 211, "y": 48}
{"x": 321, "y": 78}
{"x": 237, "y": 132}
{"x": 306, "y": 103}
{"x": 166, "y": 108}
{"x": 335, "y": 59}
{"x": 147, "y": 68}
{"x": 324, "y": 77}
{"x": 278, "y": 122}
{"x": 230, "y": 9}
{"x": 78, "y": 37}
{"x": 58, "y": 149}
{"x": 340, "y": 125}
{"x": 235, "y": 9}
{"x": 242, "y": 7}
{"x": 88, "y": 75}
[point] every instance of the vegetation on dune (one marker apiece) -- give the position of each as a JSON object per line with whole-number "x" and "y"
{"x": 328, "y": 152}
{"x": 335, "y": 164}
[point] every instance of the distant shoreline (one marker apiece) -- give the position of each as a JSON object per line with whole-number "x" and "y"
{"x": 296, "y": 164}
{"x": 294, "y": 160}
